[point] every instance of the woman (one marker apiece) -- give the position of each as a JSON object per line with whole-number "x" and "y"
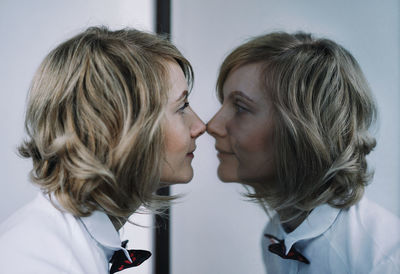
{"x": 108, "y": 120}
{"x": 294, "y": 126}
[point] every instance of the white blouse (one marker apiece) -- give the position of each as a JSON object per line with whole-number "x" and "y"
{"x": 39, "y": 238}
{"x": 363, "y": 239}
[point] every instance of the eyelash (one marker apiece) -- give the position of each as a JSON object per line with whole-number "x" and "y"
{"x": 185, "y": 105}
{"x": 239, "y": 109}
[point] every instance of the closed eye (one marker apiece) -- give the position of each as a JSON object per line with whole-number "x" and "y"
{"x": 182, "y": 108}
{"x": 241, "y": 102}
{"x": 239, "y": 108}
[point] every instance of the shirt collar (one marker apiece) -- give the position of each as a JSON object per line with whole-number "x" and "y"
{"x": 99, "y": 227}
{"x": 319, "y": 221}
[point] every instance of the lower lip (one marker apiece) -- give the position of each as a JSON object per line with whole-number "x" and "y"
{"x": 190, "y": 155}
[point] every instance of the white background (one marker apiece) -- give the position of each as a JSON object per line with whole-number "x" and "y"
{"x": 214, "y": 231}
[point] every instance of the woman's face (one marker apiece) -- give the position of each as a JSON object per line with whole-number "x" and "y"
{"x": 243, "y": 129}
{"x": 181, "y": 126}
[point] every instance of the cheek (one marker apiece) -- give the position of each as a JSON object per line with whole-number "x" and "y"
{"x": 255, "y": 153}
{"x": 176, "y": 138}
{"x": 244, "y": 136}
{"x": 252, "y": 140}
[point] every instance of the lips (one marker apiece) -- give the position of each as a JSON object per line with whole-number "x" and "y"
{"x": 223, "y": 151}
{"x": 190, "y": 154}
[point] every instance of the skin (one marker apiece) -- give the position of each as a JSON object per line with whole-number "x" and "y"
{"x": 243, "y": 129}
{"x": 182, "y": 127}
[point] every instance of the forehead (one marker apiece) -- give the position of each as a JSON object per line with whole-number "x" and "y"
{"x": 246, "y": 79}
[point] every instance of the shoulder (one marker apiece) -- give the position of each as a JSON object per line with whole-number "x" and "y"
{"x": 382, "y": 228}
{"x": 366, "y": 235}
{"x": 374, "y": 223}
{"x": 36, "y": 219}
{"x": 42, "y": 237}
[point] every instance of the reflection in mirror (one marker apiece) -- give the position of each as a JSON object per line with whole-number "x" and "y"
{"x": 217, "y": 220}
{"x": 296, "y": 116}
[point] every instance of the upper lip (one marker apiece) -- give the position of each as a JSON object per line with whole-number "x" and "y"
{"x": 220, "y": 150}
{"x": 191, "y": 151}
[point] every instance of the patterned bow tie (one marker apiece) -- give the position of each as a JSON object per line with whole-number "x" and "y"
{"x": 120, "y": 262}
{"x": 278, "y": 247}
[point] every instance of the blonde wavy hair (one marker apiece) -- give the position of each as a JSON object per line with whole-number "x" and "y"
{"x": 323, "y": 108}
{"x": 94, "y": 117}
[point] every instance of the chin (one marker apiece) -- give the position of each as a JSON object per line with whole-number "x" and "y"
{"x": 188, "y": 177}
{"x": 227, "y": 175}
{"x": 182, "y": 178}
{"x": 185, "y": 180}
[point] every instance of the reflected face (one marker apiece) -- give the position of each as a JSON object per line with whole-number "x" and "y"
{"x": 243, "y": 129}
{"x": 181, "y": 127}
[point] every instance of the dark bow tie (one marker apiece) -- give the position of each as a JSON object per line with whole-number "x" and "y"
{"x": 120, "y": 262}
{"x": 278, "y": 247}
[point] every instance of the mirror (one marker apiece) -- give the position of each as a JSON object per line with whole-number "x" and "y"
{"x": 214, "y": 229}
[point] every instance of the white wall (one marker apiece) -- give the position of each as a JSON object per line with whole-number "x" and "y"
{"x": 213, "y": 229}
{"x": 28, "y": 31}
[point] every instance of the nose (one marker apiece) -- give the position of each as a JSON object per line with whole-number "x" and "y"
{"x": 198, "y": 127}
{"x": 216, "y": 126}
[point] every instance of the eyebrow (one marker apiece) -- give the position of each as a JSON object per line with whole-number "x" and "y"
{"x": 184, "y": 94}
{"x": 241, "y": 94}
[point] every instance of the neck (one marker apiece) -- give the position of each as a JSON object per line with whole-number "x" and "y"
{"x": 292, "y": 224}
{"x": 117, "y": 223}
